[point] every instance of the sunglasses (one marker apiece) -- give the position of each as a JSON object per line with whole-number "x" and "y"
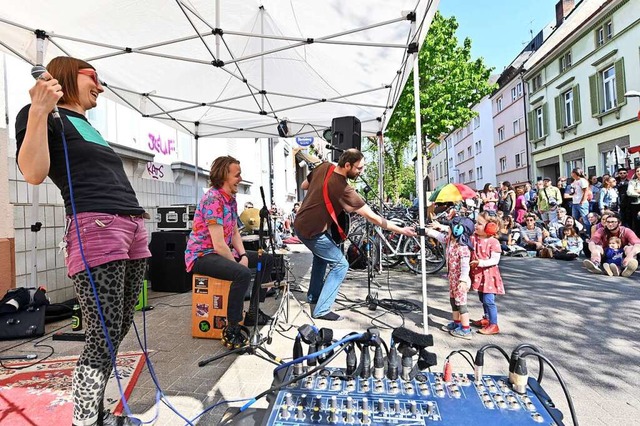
{"x": 91, "y": 73}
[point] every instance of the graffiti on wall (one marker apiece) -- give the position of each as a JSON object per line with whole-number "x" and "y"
{"x": 165, "y": 147}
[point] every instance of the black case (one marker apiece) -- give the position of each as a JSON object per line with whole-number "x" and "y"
{"x": 175, "y": 218}
{"x": 23, "y": 324}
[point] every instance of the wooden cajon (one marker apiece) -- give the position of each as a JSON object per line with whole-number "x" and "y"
{"x": 210, "y": 299}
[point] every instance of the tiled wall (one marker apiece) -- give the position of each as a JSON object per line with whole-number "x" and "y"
{"x": 50, "y": 263}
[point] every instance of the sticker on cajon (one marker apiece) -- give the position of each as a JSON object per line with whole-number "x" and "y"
{"x": 210, "y": 299}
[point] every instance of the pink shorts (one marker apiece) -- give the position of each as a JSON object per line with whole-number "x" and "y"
{"x": 105, "y": 238}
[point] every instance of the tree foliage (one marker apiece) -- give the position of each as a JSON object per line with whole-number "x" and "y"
{"x": 450, "y": 85}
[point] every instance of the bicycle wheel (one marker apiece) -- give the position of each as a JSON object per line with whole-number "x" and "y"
{"x": 434, "y": 252}
{"x": 388, "y": 259}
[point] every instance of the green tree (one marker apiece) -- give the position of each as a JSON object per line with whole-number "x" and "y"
{"x": 450, "y": 84}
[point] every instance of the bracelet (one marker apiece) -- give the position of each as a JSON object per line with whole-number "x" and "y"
{"x": 242, "y": 255}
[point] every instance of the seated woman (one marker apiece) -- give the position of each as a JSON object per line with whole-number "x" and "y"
{"x": 531, "y": 234}
{"x": 571, "y": 245}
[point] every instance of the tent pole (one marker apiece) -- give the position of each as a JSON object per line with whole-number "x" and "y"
{"x": 217, "y": 26}
{"x": 380, "y": 185}
{"x": 35, "y": 189}
{"x": 262, "y": 55}
{"x": 419, "y": 184}
{"x": 195, "y": 168}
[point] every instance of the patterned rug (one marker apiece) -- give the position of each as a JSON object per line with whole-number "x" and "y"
{"x": 41, "y": 394}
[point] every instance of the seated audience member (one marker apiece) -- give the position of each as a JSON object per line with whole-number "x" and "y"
{"x": 531, "y": 235}
{"x": 630, "y": 244}
{"x": 613, "y": 255}
{"x": 570, "y": 245}
{"x": 563, "y": 216}
{"x": 505, "y": 234}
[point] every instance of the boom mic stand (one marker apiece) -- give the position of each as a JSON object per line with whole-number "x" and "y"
{"x": 256, "y": 341}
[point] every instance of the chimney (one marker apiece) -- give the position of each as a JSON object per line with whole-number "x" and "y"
{"x": 563, "y": 8}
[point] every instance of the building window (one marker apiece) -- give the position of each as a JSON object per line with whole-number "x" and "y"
{"x": 469, "y": 153}
{"x": 604, "y": 33}
{"x": 574, "y": 164}
{"x": 565, "y": 61}
{"x": 539, "y": 121}
{"x": 609, "y": 87}
{"x": 476, "y": 122}
{"x": 503, "y": 164}
{"x": 521, "y": 159}
{"x": 499, "y": 104}
{"x": 478, "y": 147}
{"x": 568, "y": 108}
{"x": 479, "y": 172}
{"x": 501, "y": 134}
{"x": 516, "y": 126}
{"x": 462, "y": 178}
{"x": 536, "y": 83}
{"x": 441, "y": 170}
{"x": 460, "y": 156}
{"x": 471, "y": 174}
{"x": 516, "y": 92}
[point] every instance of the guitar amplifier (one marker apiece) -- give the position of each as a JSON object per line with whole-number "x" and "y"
{"x": 175, "y": 218}
{"x": 22, "y": 324}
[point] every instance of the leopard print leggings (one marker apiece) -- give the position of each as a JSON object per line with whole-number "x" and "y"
{"x": 118, "y": 285}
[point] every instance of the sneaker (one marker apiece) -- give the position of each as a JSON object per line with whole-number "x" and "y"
{"x": 234, "y": 336}
{"x": 593, "y": 267}
{"x": 607, "y": 268}
{"x": 263, "y": 319}
{"x": 461, "y": 333}
{"x": 631, "y": 267}
{"x": 330, "y": 316}
{"x": 482, "y": 323}
{"x": 450, "y": 327}
{"x": 110, "y": 419}
{"x": 615, "y": 271}
{"x": 490, "y": 329}
{"x": 312, "y": 307}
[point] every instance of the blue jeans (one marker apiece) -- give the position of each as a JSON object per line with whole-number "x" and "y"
{"x": 580, "y": 211}
{"x": 323, "y": 291}
{"x": 489, "y": 305}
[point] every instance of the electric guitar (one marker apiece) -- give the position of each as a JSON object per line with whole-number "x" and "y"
{"x": 343, "y": 220}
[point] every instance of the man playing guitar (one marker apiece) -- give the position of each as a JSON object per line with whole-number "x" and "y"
{"x": 328, "y": 189}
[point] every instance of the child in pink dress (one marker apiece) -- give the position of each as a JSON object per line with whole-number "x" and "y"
{"x": 485, "y": 275}
{"x": 457, "y": 237}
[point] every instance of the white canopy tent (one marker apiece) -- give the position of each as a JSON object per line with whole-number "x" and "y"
{"x": 219, "y": 68}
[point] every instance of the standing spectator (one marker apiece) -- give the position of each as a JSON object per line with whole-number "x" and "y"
{"x": 485, "y": 275}
{"x": 595, "y": 187}
{"x": 633, "y": 194}
{"x": 549, "y": 200}
{"x": 580, "y": 197}
{"x": 567, "y": 193}
{"x": 600, "y": 242}
{"x": 507, "y": 202}
{"x": 530, "y": 196}
{"x": 489, "y": 199}
{"x": 521, "y": 205}
{"x": 608, "y": 199}
{"x": 623, "y": 201}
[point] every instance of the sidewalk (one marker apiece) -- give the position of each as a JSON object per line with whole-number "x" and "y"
{"x": 585, "y": 324}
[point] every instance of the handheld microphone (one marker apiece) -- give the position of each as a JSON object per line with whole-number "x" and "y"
{"x": 333, "y": 148}
{"x": 36, "y": 72}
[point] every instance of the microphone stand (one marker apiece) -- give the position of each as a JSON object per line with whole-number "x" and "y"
{"x": 256, "y": 341}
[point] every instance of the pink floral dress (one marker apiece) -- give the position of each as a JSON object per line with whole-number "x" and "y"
{"x": 457, "y": 254}
{"x": 486, "y": 279}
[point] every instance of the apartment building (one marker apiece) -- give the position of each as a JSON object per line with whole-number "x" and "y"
{"x": 578, "y": 115}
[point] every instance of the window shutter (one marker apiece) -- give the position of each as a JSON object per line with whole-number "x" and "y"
{"x": 559, "y": 113}
{"x": 577, "y": 106}
{"x": 531, "y": 118}
{"x": 594, "y": 91}
{"x": 545, "y": 119}
{"x": 620, "y": 83}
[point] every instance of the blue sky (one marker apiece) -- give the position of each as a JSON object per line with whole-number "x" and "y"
{"x": 498, "y": 44}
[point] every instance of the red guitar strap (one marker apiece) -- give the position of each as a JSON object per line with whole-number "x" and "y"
{"x": 327, "y": 202}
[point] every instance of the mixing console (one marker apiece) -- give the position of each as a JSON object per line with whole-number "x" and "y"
{"x": 329, "y": 398}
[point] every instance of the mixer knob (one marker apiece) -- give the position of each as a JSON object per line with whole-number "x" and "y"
{"x": 412, "y": 407}
{"x": 396, "y": 406}
{"x": 349, "y": 417}
{"x": 349, "y": 403}
{"x": 537, "y": 417}
{"x": 303, "y": 400}
{"x": 288, "y": 399}
{"x": 365, "y": 404}
{"x": 300, "y": 413}
{"x": 365, "y": 417}
{"x": 333, "y": 402}
{"x": 380, "y": 406}
{"x": 333, "y": 416}
{"x": 284, "y": 412}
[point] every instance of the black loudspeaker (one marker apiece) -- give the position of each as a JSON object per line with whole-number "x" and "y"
{"x": 345, "y": 135}
{"x": 167, "y": 269}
